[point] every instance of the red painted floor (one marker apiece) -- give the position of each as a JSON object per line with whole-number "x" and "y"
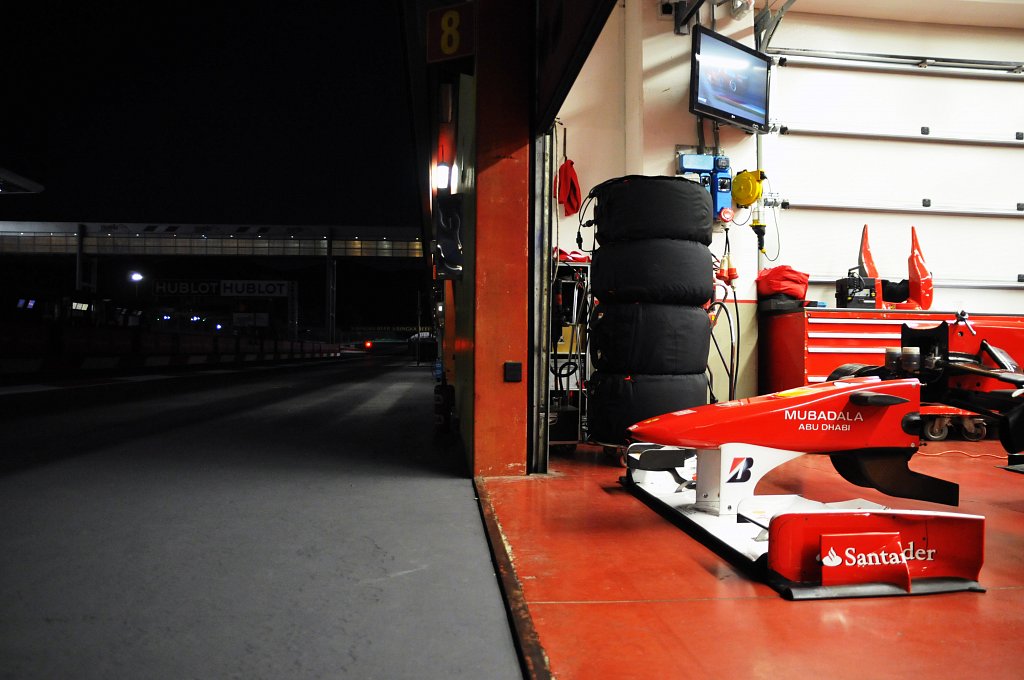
{"x": 613, "y": 590}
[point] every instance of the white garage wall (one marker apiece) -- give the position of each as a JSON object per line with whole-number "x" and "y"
{"x": 592, "y": 120}
{"x": 974, "y": 259}
{"x": 627, "y": 113}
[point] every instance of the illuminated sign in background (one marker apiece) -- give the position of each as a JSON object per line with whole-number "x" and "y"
{"x": 227, "y": 288}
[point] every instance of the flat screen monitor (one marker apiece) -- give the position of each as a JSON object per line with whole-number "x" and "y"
{"x": 729, "y": 81}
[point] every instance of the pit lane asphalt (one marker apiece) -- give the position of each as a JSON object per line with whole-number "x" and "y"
{"x": 299, "y": 521}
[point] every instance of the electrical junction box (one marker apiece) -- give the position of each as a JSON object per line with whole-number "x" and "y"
{"x": 714, "y": 173}
{"x": 513, "y": 371}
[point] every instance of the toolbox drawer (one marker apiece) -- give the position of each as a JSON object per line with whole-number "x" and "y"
{"x": 803, "y": 346}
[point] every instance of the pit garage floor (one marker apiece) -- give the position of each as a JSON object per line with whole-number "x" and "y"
{"x": 601, "y": 586}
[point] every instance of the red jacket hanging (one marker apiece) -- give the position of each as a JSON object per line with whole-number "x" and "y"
{"x": 569, "y": 188}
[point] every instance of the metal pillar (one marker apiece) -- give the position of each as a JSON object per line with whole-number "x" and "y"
{"x": 331, "y": 304}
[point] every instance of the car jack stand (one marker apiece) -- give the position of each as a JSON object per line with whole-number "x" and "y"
{"x": 802, "y": 548}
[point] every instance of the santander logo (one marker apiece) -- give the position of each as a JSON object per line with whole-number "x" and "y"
{"x": 852, "y": 558}
{"x": 831, "y": 559}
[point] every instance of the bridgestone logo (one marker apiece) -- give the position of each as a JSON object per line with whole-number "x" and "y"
{"x": 739, "y": 471}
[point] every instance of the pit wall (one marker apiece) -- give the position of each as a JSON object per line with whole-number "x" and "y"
{"x": 628, "y": 113}
{"x": 28, "y": 348}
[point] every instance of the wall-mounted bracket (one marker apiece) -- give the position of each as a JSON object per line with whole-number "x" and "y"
{"x": 683, "y": 11}
{"x": 766, "y": 22}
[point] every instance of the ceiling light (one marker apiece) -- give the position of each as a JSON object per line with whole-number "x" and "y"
{"x": 442, "y": 175}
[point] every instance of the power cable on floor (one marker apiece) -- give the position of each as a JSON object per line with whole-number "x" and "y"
{"x": 963, "y": 453}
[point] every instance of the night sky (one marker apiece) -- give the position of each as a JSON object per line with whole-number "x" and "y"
{"x": 254, "y": 112}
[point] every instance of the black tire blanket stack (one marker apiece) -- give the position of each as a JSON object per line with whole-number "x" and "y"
{"x": 649, "y": 333}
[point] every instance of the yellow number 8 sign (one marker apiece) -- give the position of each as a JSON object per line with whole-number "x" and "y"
{"x": 450, "y": 32}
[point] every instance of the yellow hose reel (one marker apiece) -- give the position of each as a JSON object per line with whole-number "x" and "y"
{"x": 747, "y": 187}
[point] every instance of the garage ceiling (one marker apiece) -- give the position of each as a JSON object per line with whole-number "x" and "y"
{"x": 992, "y": 13}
